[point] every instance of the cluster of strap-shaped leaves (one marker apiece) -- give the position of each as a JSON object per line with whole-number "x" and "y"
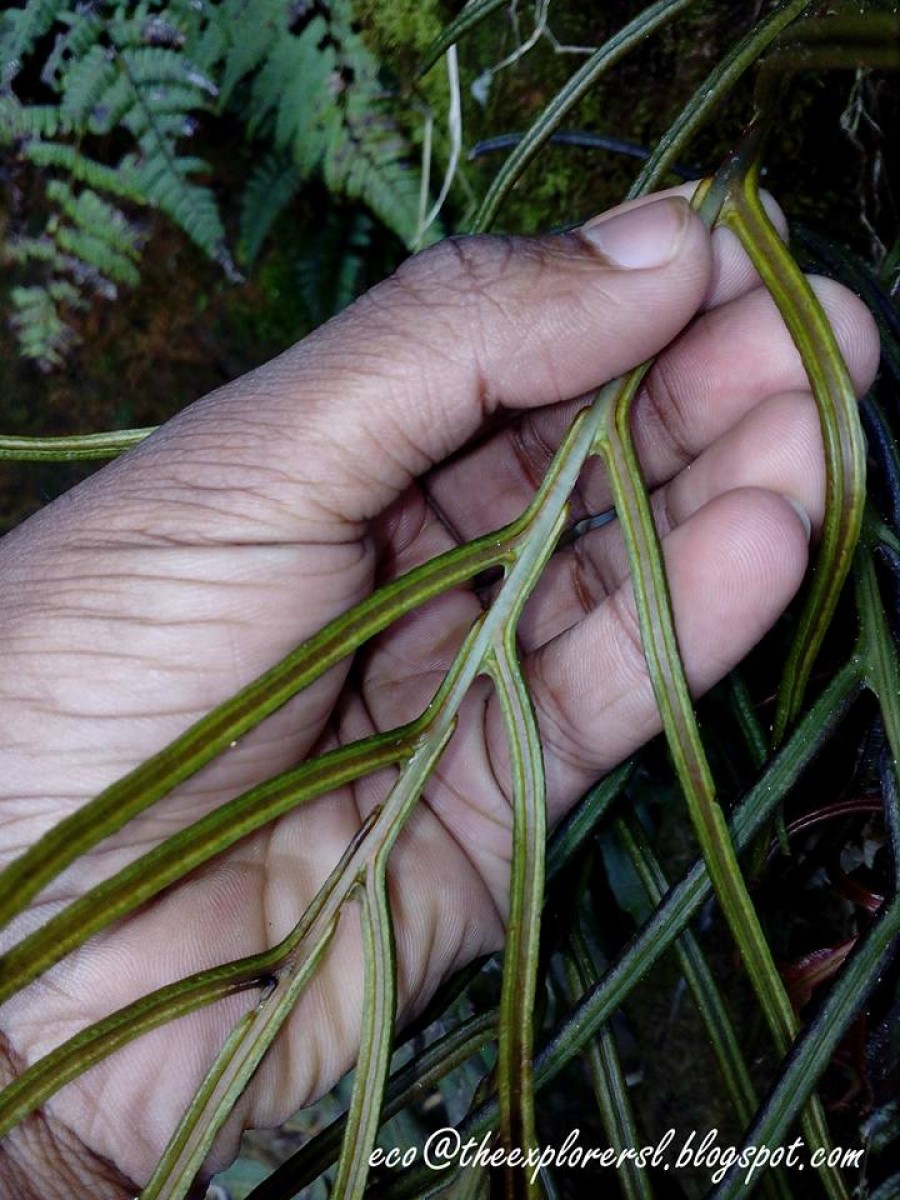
{"x": 521, "y": 551}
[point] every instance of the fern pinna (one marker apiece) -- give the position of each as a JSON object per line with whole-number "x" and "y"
{"x": 103, "y": 106}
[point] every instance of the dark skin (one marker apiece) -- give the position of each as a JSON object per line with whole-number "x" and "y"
{"x": 182, "y": 571}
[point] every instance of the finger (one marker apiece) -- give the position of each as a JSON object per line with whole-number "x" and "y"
{"x": 728, "y": 361}
{"x": 777, "y": 447}
{"x": 732, "y": 272}
{"x": 732, "y": 569}
{"x": 332, "y": 430}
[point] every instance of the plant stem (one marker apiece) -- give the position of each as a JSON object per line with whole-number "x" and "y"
{"x": 84, "y": 446}
{"x": 522, "y": 952}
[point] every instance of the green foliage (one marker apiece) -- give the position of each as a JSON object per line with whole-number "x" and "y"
{"x": 272, "y": 185}
{"x": 113, "y": 69}
{"x": 329, "y": 273}
{"x": 309, "y": 96}
{"x": 43, "y": 334}
{"x": 133, "y": 87}
{"x": 317, "y": 97}
{"x": 402, "y": 24}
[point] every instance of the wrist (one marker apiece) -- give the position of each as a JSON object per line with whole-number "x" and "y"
{"x": 42, "y": 1159}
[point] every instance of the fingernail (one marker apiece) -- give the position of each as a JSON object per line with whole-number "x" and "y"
{"x": 802, "y": 514}
{"x": 649, "y": 236}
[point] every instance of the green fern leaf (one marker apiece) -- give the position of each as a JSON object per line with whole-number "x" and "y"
{"x": 368, "y": 160}
{"x": 98, "y": 236}
{"x": 368, "y": 156}
{"x": 116, "y": 68}
{"x": 44, "y": 336}
{"x": 18, "y": 121}
{"x": 330, "y": 274}
{"x": 121, "y": 181}
{"x": 272, "y": 186}
{"x": 21, "y": 28}
{"x": 207, "y": 46}
{"x": 86, "y": 82}
{"x": 139, "y": 76}
{"x": 94, "y": 251}
{"x": 85, "y": 29}
{"x": 318, "y": 95}
{"x": 164, "y": 183}
{"x": 250, "y": 37}
{"x": 22, "y": 250}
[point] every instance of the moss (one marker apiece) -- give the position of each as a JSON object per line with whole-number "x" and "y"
{"x": 402, "y": 25}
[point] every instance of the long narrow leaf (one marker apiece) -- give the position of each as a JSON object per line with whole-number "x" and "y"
{"x": 409, "y": 1082}
{"x": 379, "y": 1007}
{"x": 46, "y": 1076}
{"x": 683, "y": 736}
{"x": 229, "y": 1075}
{"x": 182, "y": 853}
{"x": 842, "y": 435}
{"x": 71, "y": 448}
{"x": 680, "y": 906}
{"x": 520, "y": 961}
{"x": 816, "y": 1045}
{"x": 699, "y": 978}
{"x": 472, "y": 15}
{"x": 706, "y": 993}
{"x": 882, "y": 668}
{"x": 572, "y": 833}
{"x": 606, "y": 1074}
{"x": 254, "y": 1033}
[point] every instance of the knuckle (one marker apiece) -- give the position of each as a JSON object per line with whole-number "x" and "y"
{"x": 458, "y": 269}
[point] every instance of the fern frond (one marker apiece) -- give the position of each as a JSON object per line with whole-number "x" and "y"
{"x": 118, "y": 181}
{"x": 18, "y": 121}
{"x": 22, "y": 28}
{"x": 370, "y": 161}
{"x": 319, "y": 96}
{"x": 162, "y": 176}
{"x": 85, "y": 84}
{"x": 165, "y": 184}
{"x": 84, "y": 32}
{"x": 330, "y": 274}
{"x": 117, "y": 68}
{"x": 44, "y": 336}
{"x": 207, "y": 46}
{"x": 18, "y": 251}
{"x": 98, "y": 235}
{"x": 300, "y": 78}
{"x": 247, "y": 43}
{"x": 91, "y": 211}
{"x": 291, "y": 95}
{"x": 271, "y": 187}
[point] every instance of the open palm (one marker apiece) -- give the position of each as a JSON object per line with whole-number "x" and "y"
{"x": 423, "y": 416}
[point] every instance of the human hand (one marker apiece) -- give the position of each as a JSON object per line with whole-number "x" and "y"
{"x": 155, "y": 590}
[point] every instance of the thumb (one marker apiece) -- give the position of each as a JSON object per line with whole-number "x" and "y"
{"x": 333, "y": 429}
